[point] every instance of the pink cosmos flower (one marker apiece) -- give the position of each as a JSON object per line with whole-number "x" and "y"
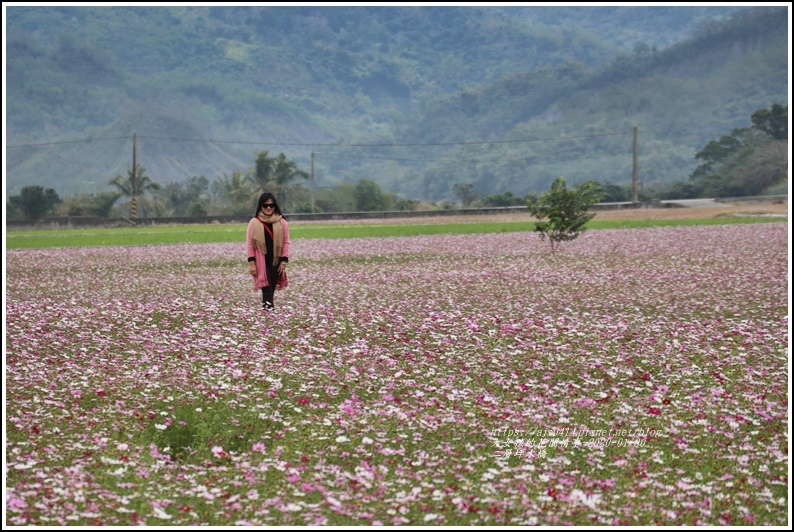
{"x": 15, "y": 503}
{"x": 584, "y": 402}
{"x": 219, "y": 452}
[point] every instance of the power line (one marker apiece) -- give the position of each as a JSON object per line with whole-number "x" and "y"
{"x": 84, "y": 141}
{"x": 357, "y": 157}
{"x": 327, "y": 145}
{"x": 392, "y": 144}
{"x": 474, "y": 143}
{"x": 351, "y": 145}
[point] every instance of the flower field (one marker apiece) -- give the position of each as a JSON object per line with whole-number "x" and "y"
{"x": 637, "y": 377}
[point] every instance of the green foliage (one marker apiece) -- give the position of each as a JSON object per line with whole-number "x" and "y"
{"x": 262, "y": 175}
{"x": 772, "y": 121}
{"x": 14, "y": 212}
{"x": 134, "y": 185}
{"x": 284, "y": 172}
{"x": 274, "y": 174}
{"x": 463, "y": 191}
{"x": 369, "y": 196}
{"x": 99, "y": 204}
{"x": 716, "y": 152}
{"x": 755, "y": 169}
{"x": 197, "y": 208}
{"x": 35, "y": 202}
{"x": 667, "y": 191}
{"x": 189, "y": 430}
{"x": 611, "y": 192}
{"x": 235, "y": 193}
{"x": 748, "y": 161}
{"x": 365, "y": 195}
{"x": 505, "y": 199}
{"x": 186, "y": 199}
{"x": 584, "y": 118}
{"x": 562, "y": 213}
{"x": 339, "y": 198}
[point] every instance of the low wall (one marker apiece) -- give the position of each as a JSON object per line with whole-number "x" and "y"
{"x": 73, "y": 222}
{"x": 780, "y": 199}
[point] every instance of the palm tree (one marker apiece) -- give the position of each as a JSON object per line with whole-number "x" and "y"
{"x": 237, "y": 191}
{"x": 285, "y": 171}
{"x": 273, "y": 174}
{"x": 262, "y": 175}
{"x": 136, "y": 183}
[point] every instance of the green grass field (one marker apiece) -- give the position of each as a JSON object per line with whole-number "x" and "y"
{"x": 192, "y": 234}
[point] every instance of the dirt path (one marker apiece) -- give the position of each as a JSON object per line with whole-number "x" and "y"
{"x": 745, "y": 209}
{"x": 695, "y": 212}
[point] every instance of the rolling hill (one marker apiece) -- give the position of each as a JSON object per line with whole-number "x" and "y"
{"x": 415, "y": 98}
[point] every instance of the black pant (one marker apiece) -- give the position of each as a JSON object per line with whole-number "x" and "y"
{"x": 270, "y": 289}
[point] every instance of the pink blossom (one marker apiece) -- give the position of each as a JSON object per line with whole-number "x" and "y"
{"x": 218, "y": 451}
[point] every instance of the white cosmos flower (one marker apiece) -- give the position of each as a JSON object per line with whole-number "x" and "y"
{"x": 161, "y": 514}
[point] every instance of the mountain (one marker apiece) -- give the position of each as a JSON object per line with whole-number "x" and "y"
{"x": 406, "y": 96}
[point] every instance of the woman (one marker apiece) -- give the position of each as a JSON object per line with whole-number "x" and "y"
{"x": 267, "y": 245}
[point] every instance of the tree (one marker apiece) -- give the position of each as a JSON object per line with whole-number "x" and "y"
{"x": 773, "y": 122}
{"x": 273, "y": 174}
{"x": 562, "y": 213}
{"x": 338, "y": 198}
{"x": 262, "y": 176}
{"x": 716, "y": 152}
{"x": 185, "y": 199}
{"x": 98, "y": 205}
{"x": 505, "y": 199}
{"x": 746, "y": 162}
{"x": 35, "y": 202}
{"x": 285, "y": 171}
{"x": 236, "y": 193}
{"x": 610, "y": 192}
{"x": 463, "y": 191}
{"x": 135, "y": 184}
{"x": 755, "y": 168}
{"x": 369, "y": 196}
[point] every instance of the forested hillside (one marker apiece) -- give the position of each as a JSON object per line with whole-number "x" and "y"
{"x": 414, "y": 98}
{"x": 578, "y": 122}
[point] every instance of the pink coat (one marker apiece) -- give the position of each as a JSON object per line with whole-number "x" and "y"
{"x": 261, "y": 276}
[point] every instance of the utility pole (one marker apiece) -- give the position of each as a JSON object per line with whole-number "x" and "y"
{"x": 312, "y": 182}
{"x": 133, "y": 181}
{"x": 634, "y": 194}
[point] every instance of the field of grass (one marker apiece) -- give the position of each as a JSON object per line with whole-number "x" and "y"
{"x": 194, "y": 234}
{"x": 637, "y": 377}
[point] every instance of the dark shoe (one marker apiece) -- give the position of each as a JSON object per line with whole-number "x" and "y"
{"x": 268, "y": 306}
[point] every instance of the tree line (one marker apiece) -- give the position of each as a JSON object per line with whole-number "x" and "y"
{"x": 137, "y": 194}
{"x": 749, "y": 161}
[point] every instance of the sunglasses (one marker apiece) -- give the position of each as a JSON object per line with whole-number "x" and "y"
{"x": 268, "y": 206}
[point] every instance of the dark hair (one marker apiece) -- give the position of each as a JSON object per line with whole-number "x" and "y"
{"x": 262, "y": 199}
